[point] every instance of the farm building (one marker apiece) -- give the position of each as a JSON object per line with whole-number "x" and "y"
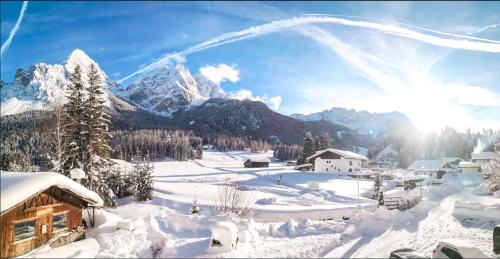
{"x": 38, "y": 207}
{"x": 334, "y": 160}
{"x": 478, "y": 160}
{"x": 432, "y": 168}
{"x": 470, "y": 167}
{"x": 252, "y": 163}
{"x": 483, "y": 157}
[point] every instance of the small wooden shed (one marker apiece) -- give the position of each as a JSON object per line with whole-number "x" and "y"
{"x": 37, "y": 207}
{"x": 257, "y": 163}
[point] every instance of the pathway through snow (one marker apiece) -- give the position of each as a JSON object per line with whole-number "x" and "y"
{"x": 424, "y": 230}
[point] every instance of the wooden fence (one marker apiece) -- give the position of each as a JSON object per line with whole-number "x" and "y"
{"x": 401, "y": 203}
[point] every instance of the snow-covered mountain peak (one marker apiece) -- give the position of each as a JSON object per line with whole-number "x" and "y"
{"x": 207, "y": 88}
{"x": 169, "y": 88}
{"x": 44, "y": 84}
{"x": 78, "y": 57}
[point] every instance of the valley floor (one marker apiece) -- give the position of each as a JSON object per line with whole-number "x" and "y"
{"x": 288, "y": 220}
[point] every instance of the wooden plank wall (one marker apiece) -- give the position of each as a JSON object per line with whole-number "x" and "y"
{"x": 41, "y": 208}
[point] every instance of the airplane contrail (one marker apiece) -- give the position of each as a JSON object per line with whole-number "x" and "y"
{"x": 6, "y": 44}
{"x": 476, "y": 45}
{"x": 484, "y": 28}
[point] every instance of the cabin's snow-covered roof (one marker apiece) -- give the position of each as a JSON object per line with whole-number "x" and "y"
{"x": 428, "y": 165}
{"x": 16, "y": 187}
{"x": 469, "y": 164}
{"x": 452, "y": 159}
{"x": 484, "y": 155}
{"x": 344, "y": 153}
{"x": 259, "y": 160}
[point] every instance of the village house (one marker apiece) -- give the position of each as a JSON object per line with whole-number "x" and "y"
{"x": 478, "y": 160}
{"x": 38, "y": 207}
{"x": 434, "y": 169}
{"x": 253, "y": 163}
{"x": 337, "y": 161}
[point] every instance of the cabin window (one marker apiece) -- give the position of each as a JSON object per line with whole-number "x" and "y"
{"x": 350, "y": 170}
{"x": 24, "y": 230}
{"x": 350, "y": 162}
{"x": 59, "y": 222}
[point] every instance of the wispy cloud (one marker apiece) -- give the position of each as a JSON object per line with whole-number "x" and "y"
{"x": 274, "y": 102}
{"x": 475, "y": 44}
{"x": 221, "y": 73}
{"x": 6, "y": 44}
{"x": 430, "y": 104}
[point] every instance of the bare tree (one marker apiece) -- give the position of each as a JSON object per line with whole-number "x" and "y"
{"x": 57, "y": 150}
{"x": 231, "y": 199}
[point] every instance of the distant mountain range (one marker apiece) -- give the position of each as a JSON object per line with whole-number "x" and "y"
{"x": 373, "y": 124}
{"x": 172, "y": 97}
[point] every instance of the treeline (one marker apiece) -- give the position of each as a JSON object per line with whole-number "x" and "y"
{"x": 411, "y": 146}
{"x": 158, "y": 144}
{"x": 311, "y": 144}
{"x": 25, "y": 141}
{"x": 223, "y": 142}
{"x": 286, "y": 152}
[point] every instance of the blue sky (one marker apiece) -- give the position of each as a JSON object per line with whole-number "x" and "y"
{"x": 299, "y": 69}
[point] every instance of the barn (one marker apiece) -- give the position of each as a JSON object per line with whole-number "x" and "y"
{"x": 38, "y": 207}
{"x": 256, "y": 163}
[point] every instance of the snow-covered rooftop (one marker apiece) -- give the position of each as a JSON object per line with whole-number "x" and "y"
{"x": 344, "y": 153}
{"x": 16, "y": 187}
{"x": 484, "y": 156}
{"x": 428, "y": 165}
{"x": 468, "y": 164}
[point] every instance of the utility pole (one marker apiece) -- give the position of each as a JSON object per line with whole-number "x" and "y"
{"x": 359, "y": 205}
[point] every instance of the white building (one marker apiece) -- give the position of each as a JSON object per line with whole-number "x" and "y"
{"x": 434, "y": 169}
{"x": 478, "y": 160}
{"x": 483, "y": 157}
{"x": 339, "y": 161}
{"x": 470, "y": 167}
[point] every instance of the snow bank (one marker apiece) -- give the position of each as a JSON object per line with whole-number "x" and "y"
{"x": 284, "y": 213}
{"x": 224, "y": 237}
{"x": 87, "y": 248}
{"x": 16, "y": 187}
{"x": 125, "y": 224}
{"x": 305, "y": 227}
{"x": 467, "y": 209}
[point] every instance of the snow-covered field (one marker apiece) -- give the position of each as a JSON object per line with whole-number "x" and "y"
{"x": 287, "y": 220}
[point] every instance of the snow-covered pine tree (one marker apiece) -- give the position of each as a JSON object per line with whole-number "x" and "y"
{"x": 95, "y": 139}
{"x": 377, "y": 186}
{"x": 144, "y": 180}
{"x": 73, "y": 123}
{"x": 324, "y": 141}
{"x": 491, "y": 171}
{"x": 307, "y": 149}
{"x": 195, "y": 209}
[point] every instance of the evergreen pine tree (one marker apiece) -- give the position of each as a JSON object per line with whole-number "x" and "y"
{"x": 73, "y": 123}
{"x": 95, "y": 139}
{"x": 307, "y": 149}
{"x": 144, "y": 181}
{"x": 377, "y": 186}
{"x": 324, "y": 141}
{"x": 195, "y": 209}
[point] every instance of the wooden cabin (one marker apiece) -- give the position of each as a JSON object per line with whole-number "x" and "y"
{"x": 38, "y": 207}
{"x": 256, "y": 163}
